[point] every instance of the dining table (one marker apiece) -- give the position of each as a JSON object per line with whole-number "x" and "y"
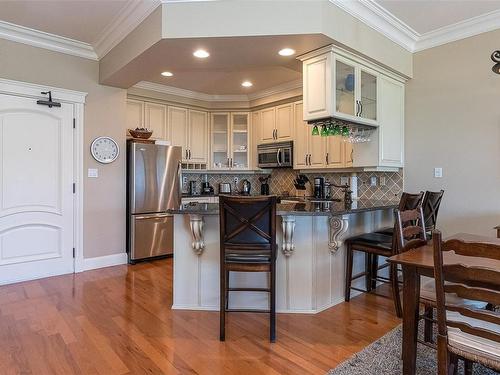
{"x": 420, "y": 262}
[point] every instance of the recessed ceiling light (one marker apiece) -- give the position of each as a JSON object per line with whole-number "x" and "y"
{"x": 246, "y": 84}
{"x": 286, "y": 52}
{"x": 167, "y": 74}
{"x": 201, "y": 53}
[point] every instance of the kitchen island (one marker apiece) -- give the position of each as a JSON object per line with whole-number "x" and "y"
{"x": 310, "y": 255}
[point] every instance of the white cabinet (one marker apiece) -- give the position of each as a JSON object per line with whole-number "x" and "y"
{"x": 316, "y": 152}
{"x": 197, "y": 136}
{"x": 135, "y": 114}
{"x": 155, "y": 119}
{"x": 309, "y": 150}
{"x": 230, "y": 141}
{"x": 337, "y": 84}
{"x": 277, "y": 124}
{"x": 255, "y": 131}
{"x": 178, "y": 123}
{"x": 385, "y": 149}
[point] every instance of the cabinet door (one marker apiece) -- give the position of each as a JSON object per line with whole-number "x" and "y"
{"x": 335, "y": 151}
{"x": 198, "y": 136}
{"x": 284, "y": 122}
{"x": 239, "y": 140}
{"x": 220, "y": 140}
{"x": 345, "y": 88}
{"x": 255, "y": 139}
{"x": 367, "y": 95}
{"x": 317, "y": 151}
{"x": 267, "y": 125}
{"x": 135, "y": 114}
{"x": 156, "y": 119}
{"x": 348, "y": 154}
{"x": 178, "y": 124}
{"x": 317, "y": 77}
{"x": 391, "y": 127}
{"x": 301, "y": 143}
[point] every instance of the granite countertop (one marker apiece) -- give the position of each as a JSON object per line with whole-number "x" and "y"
{"x": 301, "y": 208}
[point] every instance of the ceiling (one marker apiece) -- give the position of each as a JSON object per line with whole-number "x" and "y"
{"x": 82, "y": 20}
{"x": 425, "y": 16}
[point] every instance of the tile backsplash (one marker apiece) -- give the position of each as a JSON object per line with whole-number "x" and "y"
{"x": 281, "y": 182}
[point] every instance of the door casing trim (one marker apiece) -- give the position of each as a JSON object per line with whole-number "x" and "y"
{"x": 77, "y": 99}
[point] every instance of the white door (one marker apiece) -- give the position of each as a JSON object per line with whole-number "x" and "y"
{"x": 36, "y": 189}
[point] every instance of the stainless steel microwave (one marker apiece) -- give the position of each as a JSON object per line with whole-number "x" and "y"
{"x": 275, "y": 155}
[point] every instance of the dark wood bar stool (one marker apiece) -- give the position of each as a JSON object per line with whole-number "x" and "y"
{"x": 247, "y": 244}
{"x": 408, "y": 201}
{"x": 408, "y": 227}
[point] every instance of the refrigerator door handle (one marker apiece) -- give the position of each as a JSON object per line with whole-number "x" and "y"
{"x": 153, "y": 216}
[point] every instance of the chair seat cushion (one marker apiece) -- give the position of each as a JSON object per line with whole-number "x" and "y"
{"x": 428, "y": 292}
{"x": 471, "y": 343}
{"x": 372, "y": 239}
{"x": 389, "y": 231}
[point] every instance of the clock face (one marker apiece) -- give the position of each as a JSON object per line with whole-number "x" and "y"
{"x": 104, "y": 150}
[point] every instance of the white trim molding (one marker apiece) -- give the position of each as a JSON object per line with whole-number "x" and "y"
{"x": 104, "y": 261}
{"x": 33, "y": 90}
{"x": 130, "y": 16}
{"x": 378, "y": 18}
{"x": 37, "y": 38}
{"x": 164, "y": 89}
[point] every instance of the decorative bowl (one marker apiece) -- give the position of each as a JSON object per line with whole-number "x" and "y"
{"x": 141, "y": 134}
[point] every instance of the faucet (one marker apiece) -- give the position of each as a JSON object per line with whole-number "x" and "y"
{"x": 347, "y": 192}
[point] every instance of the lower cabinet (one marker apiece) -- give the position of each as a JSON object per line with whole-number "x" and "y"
{"x": 316, "y": 152}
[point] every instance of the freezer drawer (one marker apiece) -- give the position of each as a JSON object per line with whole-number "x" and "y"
{"x": 151, "y": 235}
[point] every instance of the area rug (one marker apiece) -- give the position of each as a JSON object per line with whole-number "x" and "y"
{"x": 384, "y": 357}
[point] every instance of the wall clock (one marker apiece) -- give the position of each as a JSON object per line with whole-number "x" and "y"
{"x": 105, "y": 150}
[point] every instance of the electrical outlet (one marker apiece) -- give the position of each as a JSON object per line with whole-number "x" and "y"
{"x": 236, "y": 180}
{"x": 344, "y": 180}
{"x": 93, "y": 173}
{"x": 184, "y": 180}
{"x": 373, "y": 181}
{"x": 382, "y": 181}
{"x": 438, "y": 172}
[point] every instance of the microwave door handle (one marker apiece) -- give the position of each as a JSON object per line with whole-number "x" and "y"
{"x": 278, "y": 157}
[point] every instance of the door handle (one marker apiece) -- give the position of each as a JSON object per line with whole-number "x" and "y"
{"x": 189, "y": 154}
{"x": 278, "y": 156}
{"x": 357, "y": 108}
{"x": 352, "y": 158}
{"x": 309, "y": 159}
{"x": 327, "y": 158}
{"x": 185, "y": 154}
{"x": 305, "y": 156}
{"x": 360, "y": 107}
{"x": 160, "y": 216}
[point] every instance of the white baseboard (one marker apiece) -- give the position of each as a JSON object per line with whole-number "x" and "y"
{"x": 104, "y": 261}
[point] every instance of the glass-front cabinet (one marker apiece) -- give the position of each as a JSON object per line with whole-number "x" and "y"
{"x": 355, "y": 91}
{"x": 230, "y": 141}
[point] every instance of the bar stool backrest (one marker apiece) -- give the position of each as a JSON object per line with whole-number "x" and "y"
{"x": 431, "y": 203}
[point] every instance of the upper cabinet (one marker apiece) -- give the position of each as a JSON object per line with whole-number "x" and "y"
{"x": 339, "y": 86}
{"x": 276, "y": 124}
{"x": 230, "y": 141}
{"x": 344, "y": 86}
{"x": 197, "y": 136}
{"x": 135, "y": 114}
{"x": 155, "y": 119}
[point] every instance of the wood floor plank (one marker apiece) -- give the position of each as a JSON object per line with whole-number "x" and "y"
{"x": 118, "y": 320}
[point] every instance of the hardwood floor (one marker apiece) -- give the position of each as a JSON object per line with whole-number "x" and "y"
{"x": 118, "y": 320}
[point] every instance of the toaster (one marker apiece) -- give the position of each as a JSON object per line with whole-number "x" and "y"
{"x": 224, "y": 188}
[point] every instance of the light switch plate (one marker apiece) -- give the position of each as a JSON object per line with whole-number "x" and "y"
{"x": 93, "y": 173}
{"x": 382, "y": 181}
{"x": 438, "y": 172}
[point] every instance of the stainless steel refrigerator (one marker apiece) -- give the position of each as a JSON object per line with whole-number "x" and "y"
{"x": 154, "y": 186}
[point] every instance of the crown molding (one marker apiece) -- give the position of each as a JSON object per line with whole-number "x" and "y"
{"x": 45, "y": 40}
{"x": 129, "y": 17}
{"x": 164, "y": 89}
{"x": 460, "y": 30}
{"x": 380, "y": 19}
{"x": 279, "y": 89}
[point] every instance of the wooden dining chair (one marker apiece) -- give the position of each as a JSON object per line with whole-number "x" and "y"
{"x": 408, "y": 229}
{"x": 247, "y": 244}
{"x": 464, "y": 332}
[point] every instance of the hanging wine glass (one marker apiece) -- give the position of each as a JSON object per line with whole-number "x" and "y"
{"x": 315, "y": 130}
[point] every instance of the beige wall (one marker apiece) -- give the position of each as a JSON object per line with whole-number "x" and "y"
{"x": 453, "y": 121}
{"x": 104, "y": 197}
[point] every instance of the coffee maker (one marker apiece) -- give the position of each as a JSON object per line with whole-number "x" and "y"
{"x": 319, "y": 186}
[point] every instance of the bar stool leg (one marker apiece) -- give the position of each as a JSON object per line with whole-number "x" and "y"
{"x": 428, "y": 324}
{"x": 222, "y": 313}
{"x": 348, "y": 272}
{"x": 272, "y": 295}
{"x": 374, "y": 270}
{"x": 393, "y": 275}
{"x": 227, "y": 290}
